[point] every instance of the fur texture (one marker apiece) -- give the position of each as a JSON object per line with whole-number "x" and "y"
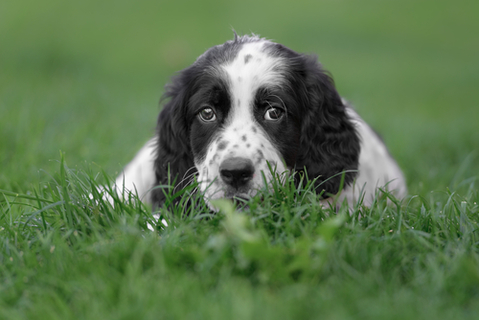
{"x": 251, "y": 104}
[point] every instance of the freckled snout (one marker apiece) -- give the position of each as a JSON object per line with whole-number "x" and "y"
{"x": 236, "y": 172}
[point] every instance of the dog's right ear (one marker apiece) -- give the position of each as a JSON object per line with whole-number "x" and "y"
{"x": 330, "y": 144}
{"x": 174, "y": 157}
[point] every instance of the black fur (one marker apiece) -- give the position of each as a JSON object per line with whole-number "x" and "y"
{"x": 329, "y": 141}
{"x": 317, "y": 137}
{"x": 174, "y": 156}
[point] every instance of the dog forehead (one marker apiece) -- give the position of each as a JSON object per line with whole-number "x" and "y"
{"x": 253, "y": 67}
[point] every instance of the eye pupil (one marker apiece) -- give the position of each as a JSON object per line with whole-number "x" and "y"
{"x": 207, "y": 114}
{"x": 273, "y": 114}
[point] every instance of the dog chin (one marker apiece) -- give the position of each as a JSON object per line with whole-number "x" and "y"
{"x": 240, "y": 203}
{"x": 238, "y": 197}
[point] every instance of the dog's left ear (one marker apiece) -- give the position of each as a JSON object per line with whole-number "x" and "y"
{"x": 174, "y": 159}
{"x": 329, "y": 142}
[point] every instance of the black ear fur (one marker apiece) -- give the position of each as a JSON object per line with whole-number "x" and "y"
{"x": 174, "y": 159}
{"x": 329, "y": 141}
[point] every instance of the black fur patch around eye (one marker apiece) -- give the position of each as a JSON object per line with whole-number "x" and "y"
{"x": 284, "y": 133}
{"x": 211, "y": 91}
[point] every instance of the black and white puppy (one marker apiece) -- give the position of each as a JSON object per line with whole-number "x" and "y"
{"x": 249, "y": 105}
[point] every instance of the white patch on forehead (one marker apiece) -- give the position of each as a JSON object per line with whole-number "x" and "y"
{"x": 254, "y": 62}
{"x": 241, "y": 135}
{"x": 252, "y": 68}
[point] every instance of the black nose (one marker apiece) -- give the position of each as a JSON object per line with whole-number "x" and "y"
{"x": 236, "y": 172}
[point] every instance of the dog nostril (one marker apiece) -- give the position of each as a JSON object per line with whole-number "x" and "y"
{"x": 236, "y": 171}
{"x": 226, "y": 174}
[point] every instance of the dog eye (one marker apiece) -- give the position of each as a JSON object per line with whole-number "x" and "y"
{"x": 273, "y": 114}
{"x": 207, "y": 115}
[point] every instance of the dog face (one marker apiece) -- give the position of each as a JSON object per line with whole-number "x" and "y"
{"x": 247, "y": 106}
{"x": 241, "y": 124}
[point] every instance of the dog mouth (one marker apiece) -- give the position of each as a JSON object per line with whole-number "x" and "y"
{"x": 239, "y": 200}
{"x": 239, "y": 197}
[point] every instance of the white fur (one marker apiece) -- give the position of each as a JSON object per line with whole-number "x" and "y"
{"x": 244, "y": 80}
{"x": 138, "y": 177}
{"x": 377, "y": 168}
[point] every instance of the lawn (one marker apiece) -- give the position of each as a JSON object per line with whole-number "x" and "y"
{"x": 79, "y": 91}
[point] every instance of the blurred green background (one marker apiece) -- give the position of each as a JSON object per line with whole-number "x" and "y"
{"x": 86, "y": 77}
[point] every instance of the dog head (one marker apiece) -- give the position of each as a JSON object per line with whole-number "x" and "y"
{"x": 248, "y": 106}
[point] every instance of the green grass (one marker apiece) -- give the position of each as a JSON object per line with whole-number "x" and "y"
{"x": 80, "y": 84}
{"x": 68, "y": 255}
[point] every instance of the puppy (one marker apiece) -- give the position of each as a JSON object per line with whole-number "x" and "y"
{"x": 250, "y": 107}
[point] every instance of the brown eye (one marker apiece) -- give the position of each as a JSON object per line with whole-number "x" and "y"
{"x": 207, "y": 115}
{"x": 273, "y": 114}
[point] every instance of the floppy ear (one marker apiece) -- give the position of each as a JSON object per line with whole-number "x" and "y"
{"x": 329, "y": 141}
{"x": 174, "y": 159}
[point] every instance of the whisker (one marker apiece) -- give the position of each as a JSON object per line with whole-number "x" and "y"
{"x": 191, "y": 168}
{"x": 187, "y": 179}
{"x": 185, "y": 182}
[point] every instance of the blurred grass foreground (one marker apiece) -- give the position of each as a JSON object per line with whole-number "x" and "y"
{"x": 80, "y": 84}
